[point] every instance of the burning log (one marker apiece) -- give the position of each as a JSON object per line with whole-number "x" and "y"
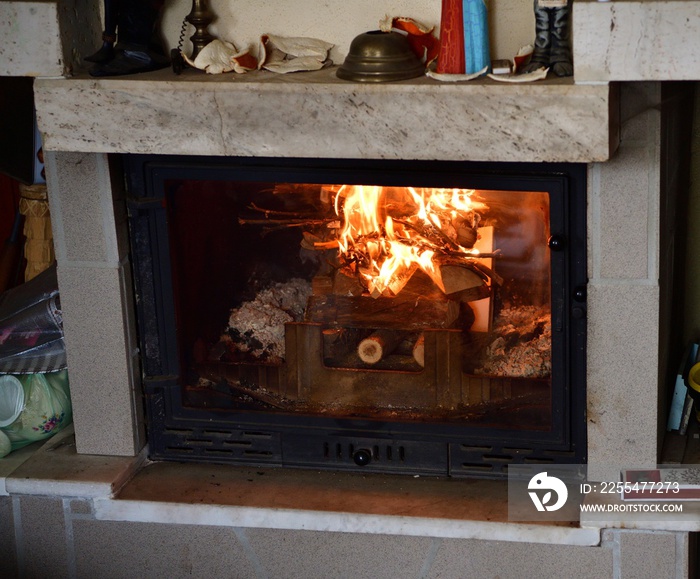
{"x": 473, "y": 294}
{"x": 347, "y": 285}
{"x": 387, "y": 313}
{"x": 378, "y": 345}
{"x": 456, "y": 279}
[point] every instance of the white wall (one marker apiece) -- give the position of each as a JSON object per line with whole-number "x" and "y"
{"x": 339, "y": 21}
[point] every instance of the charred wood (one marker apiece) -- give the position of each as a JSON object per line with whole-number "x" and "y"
{"x": 388, "y": 313}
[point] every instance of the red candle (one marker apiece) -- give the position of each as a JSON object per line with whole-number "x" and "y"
{"x": 451, "y": 56}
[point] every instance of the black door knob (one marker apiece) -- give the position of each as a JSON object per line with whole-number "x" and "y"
{"x": 362, "y": 457}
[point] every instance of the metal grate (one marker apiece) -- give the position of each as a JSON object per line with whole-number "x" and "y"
{"x": 493, "y": 461}
{"x": 208, "y": 445}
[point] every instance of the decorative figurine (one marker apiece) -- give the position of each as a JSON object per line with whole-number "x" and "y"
{"x": 451, "y": 55}
{"x": 109, "y": 34}
{"x": 552, "y": 41}
{"x": 476, "y": 36}
{"x": 131, "y": 24}
{"x": 464, "y": 38}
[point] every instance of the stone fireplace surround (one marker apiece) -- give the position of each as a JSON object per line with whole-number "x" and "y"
{"x": 423, "y": 528}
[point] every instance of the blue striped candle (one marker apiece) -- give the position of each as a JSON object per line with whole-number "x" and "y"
{"x": 476, "y": 36}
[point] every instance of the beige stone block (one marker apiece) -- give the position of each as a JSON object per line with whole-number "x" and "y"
{"x": 102, "y": 377}
{"x": 43, "y": 537}
{"x": 458, "y": 559}
{"x": 639, "y": 40}
{"x": 622, "y": 377}
{"x": 653, "y": 554}
{"x": 80, "y": 196}
{"x": 8, "y": 551}
{"x": 320, "y": 555}
{"x": 47, "y": 37}
{"x": 114, "y": 550}
{"x": 624, "y": 216}
{"x": 31, "y": 39}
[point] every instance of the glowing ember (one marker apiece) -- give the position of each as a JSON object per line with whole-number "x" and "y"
{"x": 388, "y": 233}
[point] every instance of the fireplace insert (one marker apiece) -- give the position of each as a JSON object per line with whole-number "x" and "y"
{"x": 386, "y": 316}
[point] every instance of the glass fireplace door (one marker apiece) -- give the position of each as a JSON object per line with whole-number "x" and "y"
{"x": 414, "y": 306}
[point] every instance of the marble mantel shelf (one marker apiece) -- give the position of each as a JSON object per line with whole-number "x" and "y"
{"x": 317, "y": 115}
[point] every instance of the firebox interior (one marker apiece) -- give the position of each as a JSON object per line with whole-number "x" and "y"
{"x": 308, "y": 311}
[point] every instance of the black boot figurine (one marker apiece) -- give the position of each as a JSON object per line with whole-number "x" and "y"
{"x": 135, "y": 50}
{"x": 109, "y": 35}
{"x": 543, "y": 41}
{"x": 552, "y": 39}
{"x": 560, "y": 58}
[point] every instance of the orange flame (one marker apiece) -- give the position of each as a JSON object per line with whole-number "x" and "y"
{"x": 391, "y": 232}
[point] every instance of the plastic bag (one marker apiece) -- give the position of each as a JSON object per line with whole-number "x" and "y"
{"x": 33, "y": 407}
{"x": 31, "y": 327}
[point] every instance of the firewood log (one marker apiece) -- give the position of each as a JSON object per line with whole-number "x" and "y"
{"x": 346, "y": 285}
{"x": 378, "y": 345}
{"x": 456, "y": 278}
{"x": 419, "y": 351}
{"x": 387, "y": 313}
{"x": 321, "y": 285}
{"x": 339, "y": 342}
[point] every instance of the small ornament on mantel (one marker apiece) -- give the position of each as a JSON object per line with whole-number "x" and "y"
{"x": 464, "y": 40}
{"x": 420, "y": 37}
{"x": 451, "y": 57}
{"x": 132, "y": 25}
{"x": 476, "y": 36}
{"x": 553, "y": 38}
{"x": 220, "y": 56}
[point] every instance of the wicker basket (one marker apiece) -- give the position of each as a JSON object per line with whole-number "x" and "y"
{"x": 38, "y": 247}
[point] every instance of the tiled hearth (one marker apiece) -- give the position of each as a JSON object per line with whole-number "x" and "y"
{"x": 624, "y": 132}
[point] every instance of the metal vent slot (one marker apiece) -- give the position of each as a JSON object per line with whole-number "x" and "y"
{"x": 237, "y": 442}
{"x": 266, "y": 435}
{"x": 261, "y": 453}
{"x": 199, "y": 441}
{"x": 180, "y": 449}
{"x": 468, "y": 448}
{"x": 498, "y": 457}
{"x": 218, "y": 451}
{"x": 477, "y": 466}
